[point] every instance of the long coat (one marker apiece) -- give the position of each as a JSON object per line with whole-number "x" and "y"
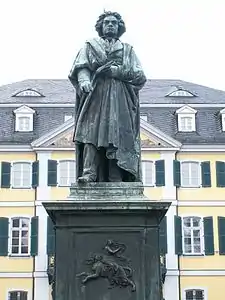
{"x": 109, "y": 115}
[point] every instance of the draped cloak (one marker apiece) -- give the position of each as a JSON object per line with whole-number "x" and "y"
{"x": 109, "y": 115}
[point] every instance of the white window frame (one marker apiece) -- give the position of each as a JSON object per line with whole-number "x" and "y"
{"x": 199, "y": 173}
{"x": 58, "y": 172}
{"x": 186, "y": 112}
{"x": 195, "y": 288}
{"x": 144, "y": 117}
{"x": 202, "y": 245}
{"x": 143, "y": 172}
{"x": 181, "y": 93}
{"x": 11, "y": 218}
{"x": 67, "y": 117}
{"x": 12, "y": 175}
{"x": 223, "y": 121}
{"x": 21, "y": 112}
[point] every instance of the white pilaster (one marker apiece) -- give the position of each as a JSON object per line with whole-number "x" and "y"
{"x": 169, "y": 190}
{"x": 171, "y": 286}
{"x": 41, "y": 289}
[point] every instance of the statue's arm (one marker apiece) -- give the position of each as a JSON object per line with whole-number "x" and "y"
{"x": 131, "y": 72}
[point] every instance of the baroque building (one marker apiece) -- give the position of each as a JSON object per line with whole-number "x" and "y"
{"x": 183, "y": 161}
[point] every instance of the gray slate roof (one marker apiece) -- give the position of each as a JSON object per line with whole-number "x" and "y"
{"x": 208, "y": 122}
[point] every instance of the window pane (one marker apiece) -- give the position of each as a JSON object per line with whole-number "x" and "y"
{"x": 189, "y": 295}
{"x": 15, "y": 249}
{"x": 187, "y": 222}
{"x": 196, "y": 222}
{"x": 24, "y": 250}
{"x": 15, "y": 233}
{"x": 16, "y": 222}
{"x": 24, "y": 123}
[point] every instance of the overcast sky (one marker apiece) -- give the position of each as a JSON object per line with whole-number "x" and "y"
{"x": 174, "y": 39}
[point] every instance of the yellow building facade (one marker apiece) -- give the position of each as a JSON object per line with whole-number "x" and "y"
{"x": 190, "y": 176}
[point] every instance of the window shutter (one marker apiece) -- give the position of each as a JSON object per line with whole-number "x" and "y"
{"x": 52, "y": 172}
{"x": 5, "y": 176}
{"x": 4, "y": 236}
{"x": 221, "y": 233}
{"x": 34, "y": 236}
{"x": 178, "y": 235}
{"x": 50, "y": 237}
{"x": 160, "y": 173}
{"x": 163, "y": 236}
{"x": 206, "y": 174}
{"x": 220, "y": 174}
{"x": 208, "y": 235}
{"x": 176, "y": 173}
{"x": 35, "y": 174}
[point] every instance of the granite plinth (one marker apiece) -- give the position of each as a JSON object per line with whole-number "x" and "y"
{"x": 98, "y": 217}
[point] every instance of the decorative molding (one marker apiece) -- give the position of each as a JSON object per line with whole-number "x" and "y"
{"x": 144, "y": 105}
{"x": 186, "y": 109}
{"x": 17, "y": 203}
{"x": 16, "y": 275}
{"x": 202, "y": 272}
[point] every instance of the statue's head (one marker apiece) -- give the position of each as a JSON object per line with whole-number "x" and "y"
{"x": 110, "y": 24}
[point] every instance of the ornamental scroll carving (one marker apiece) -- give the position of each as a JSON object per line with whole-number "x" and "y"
{"x": 111, "y": 265}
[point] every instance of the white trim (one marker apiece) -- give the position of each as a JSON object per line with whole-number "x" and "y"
{"x": 202, "y": 272}
{"x": 172, "y": 272}
{"x": 29, "y": 292}
{"x": 24, "y": 109}
{"x": 202, "y": 148}
{"x": 42, "y": 288}
{"x": 203, "y": 203}
{"x": 53, "y": 133}
{"x": 40, "y": 274}
{"x": 47, "y": 138}
{"x": 144, "y": 105}
{"x": 160, "y": 134}
{"x": 17, "y": 203}
{"x": 16, "y": 275}
{"x": 194, "y": 288}
{"x": 186, "y": 109}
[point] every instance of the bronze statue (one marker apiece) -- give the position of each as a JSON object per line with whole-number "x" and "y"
{"x": 107, "y": 76}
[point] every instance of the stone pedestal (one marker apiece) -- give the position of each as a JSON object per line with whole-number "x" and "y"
{"x": 107, "y": 243}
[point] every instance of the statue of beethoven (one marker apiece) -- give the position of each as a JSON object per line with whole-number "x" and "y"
{"x": 107, "y": 76}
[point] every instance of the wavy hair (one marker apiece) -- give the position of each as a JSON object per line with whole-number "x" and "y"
{"x": 121, "y": 24}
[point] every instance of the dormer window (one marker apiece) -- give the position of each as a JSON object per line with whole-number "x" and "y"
{"x": 24, "y": 119}
{"x": 178, "y": 91}
{"x": 186, "y": 119}
{"x": 222, "y": 112}
{"x": 28, "y": 93}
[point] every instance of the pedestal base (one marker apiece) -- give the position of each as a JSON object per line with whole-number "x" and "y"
{"x": 107, "y": 243}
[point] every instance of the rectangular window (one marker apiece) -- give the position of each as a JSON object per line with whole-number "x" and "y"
{"x": 67, "y": 172}
{"x": 148, "y": 173}
{"x": 194, "y": 295}
{"x": 21, "y": 175}
{"x": 192, "y": 235}
{"x": 190, "y": 174}
{"x": 144, "y": 117}
{"x": 186, "y": 123}
{"x": 24, "y": 124}
{"x": 19, "y": 240}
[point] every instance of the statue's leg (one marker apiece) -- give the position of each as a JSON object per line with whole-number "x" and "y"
{"x": 90, "y": 163}
{"x": 115, "y": 173}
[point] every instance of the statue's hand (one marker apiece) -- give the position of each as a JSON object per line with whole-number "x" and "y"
{"x": 86, "y": 86}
